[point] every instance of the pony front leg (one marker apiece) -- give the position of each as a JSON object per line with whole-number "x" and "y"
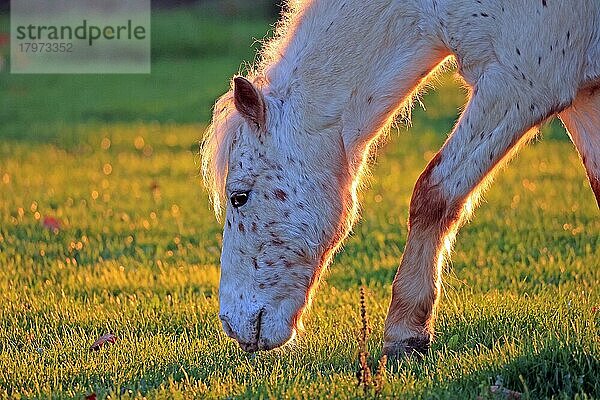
{"x": 495, "y": 121}
{"x": 582, "y": 120}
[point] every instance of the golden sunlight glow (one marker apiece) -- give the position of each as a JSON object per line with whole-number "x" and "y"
{"x": 447, "y": 245}
{"x": 470, "y": 205}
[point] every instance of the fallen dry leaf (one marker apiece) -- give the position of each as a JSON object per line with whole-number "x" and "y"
{"x": 102, "y": 340}
{"x": 503, "y": 393}
{"x": 51, "y": 223}
{"x": 91, "y": 396}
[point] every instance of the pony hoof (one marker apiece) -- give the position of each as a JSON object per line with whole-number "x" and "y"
{"x": 412, "y": 347}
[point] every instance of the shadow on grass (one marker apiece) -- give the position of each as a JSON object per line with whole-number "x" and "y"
{"x": 554, "y": 371}
{"x": 556, "y": 366}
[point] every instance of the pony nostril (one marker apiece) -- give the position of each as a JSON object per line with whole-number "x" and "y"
{"x": 255, "y": 343}
{"x": 259, "y": 319}
{"x": 227, "y": 328}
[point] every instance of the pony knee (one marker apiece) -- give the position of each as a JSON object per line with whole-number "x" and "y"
{"x": 430, "y": 206}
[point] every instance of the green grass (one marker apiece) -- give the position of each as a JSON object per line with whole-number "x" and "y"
{"x": 115, "y": 159}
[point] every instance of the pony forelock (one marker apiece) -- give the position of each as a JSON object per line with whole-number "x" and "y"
{"x": 216, "y": 147}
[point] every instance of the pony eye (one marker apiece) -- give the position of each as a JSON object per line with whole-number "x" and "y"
{"x": 238, "y": 199}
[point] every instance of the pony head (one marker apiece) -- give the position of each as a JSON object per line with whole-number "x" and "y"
{"x": 288, "y": 199}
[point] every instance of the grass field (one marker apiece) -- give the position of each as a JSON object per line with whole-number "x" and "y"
{"x": 104, "y": 227}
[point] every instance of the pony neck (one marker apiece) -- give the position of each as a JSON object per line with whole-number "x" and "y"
{"x": 352, "y": 65}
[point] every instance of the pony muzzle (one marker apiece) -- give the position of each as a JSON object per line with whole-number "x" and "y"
{"x": 256, "y": 333}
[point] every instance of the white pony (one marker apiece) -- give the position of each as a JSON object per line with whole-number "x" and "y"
{"x": 288, "y": 145}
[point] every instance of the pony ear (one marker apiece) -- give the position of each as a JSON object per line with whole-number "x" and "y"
{"x": 249, "y": 101}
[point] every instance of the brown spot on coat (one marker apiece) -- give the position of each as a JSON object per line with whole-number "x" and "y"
{"x": 280, "y": 194}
